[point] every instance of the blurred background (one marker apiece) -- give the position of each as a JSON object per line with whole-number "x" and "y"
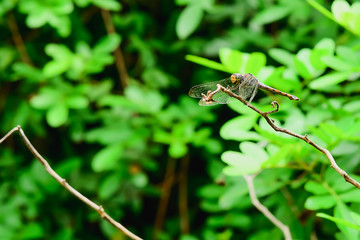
{"x": 100, "y": 88}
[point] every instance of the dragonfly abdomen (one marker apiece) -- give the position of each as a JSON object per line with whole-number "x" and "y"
{"x": 274, "y": 90}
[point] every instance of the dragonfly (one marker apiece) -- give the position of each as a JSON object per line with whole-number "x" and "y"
{"x": 243, "y": 85}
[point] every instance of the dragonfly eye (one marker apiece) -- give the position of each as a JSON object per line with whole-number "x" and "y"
{"x": 235, "y": 78}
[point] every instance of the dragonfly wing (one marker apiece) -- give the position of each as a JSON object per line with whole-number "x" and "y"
{"x": 218, "y": 98}
{"x": 198, "y": 90}
{"x": 248, "y": 87}
{"x": 246, "y": 91}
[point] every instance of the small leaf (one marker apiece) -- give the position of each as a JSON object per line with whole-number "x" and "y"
{"x": 107, "y": 158}
{"x": 189, "y": 19}
{"x": 43, "y": 101}
{"x": 338, "y": 9}
{"x": 32, "y": 230}
{"x": 245, "y": 122}
{"x": 342, "y": 211}
{"x": 329, "y": 80}
{"x": 206, "y": 62}
{"x": 177, "y": 149}
{"x": 338, "y": 221}
{"x": 107, "y": 44}
{"x": 282, "y": 56}
{"x": 109, "y": 186}
{"x": 232, "y": 59}
{"x": 139, "y": 180}
{"x": 301, "y": 68}
{"x": 315, "y": 188}
{"x": 107, "y": 4}
{"x": 271, "y": 14}
{"x": 57, "y": 115}
{"x": 336, "y": 63}
{"x": 77, "y": 102}
{"x": 347, "y": 54}
{"x": 247, "y": 163}
{"x": 255, "y": 63}
{"x": 320, "y": 202}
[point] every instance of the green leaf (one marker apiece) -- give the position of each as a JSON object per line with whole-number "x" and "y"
{"x": 77, "y": 102}
{"x": 109, "y": 186}
{"x": 338, "y": 221}
{"x": 320, "y": 202}
{"x": 232, "y": 59}
{"x": 57, "y": 115}
{"x": 30, "y": 73}
{"x": 112, "y": 5}
{"x": 62, "y": 25}
{"x": 255, "y": 63}
{"x": 206, "y": 62}
{"x": 336, "y": 63}
{"x": 7, "y": 56}
{"x": 282, "y": 56}
{"x": 301, "y": 68}
{"x": 244, "y": 163}
{"x": 339, "y": 8}
{"x": 139, "y": 180}
{"x": 107, "y": 158}
{"x": 271, "y": 14}
{"x": 107, "y": 44}
{"x": 32, "y": 231}
{"x": 177, "y": 149}
{"x": 63, "y": 59}
{"x": 343, "y": 212}
{"x": 44, "y": 100}
{"x": 350, "y": 196}
{"x": 240, "y": 164}
{"x": 316, "y": 188}
{"x": 237, "y": 128}
{"x": 349, "y": 55}
{"x": 189, "y": 19}
{"x": 329, "y": 80}
{"x": 352, "y": 106}
{"x": 211, "y": 191}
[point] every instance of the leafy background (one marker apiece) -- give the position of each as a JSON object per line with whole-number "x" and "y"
{"x": 133, "y": 141}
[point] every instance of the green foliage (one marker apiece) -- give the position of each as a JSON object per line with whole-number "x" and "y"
{"x": 113, "y": 123}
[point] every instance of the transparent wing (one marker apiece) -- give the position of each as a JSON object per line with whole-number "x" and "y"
{"x": 219, "y": 98}
{"x": 248, "y": 87}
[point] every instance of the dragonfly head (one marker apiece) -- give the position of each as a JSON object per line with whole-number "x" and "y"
{"x": 236, "y": 78}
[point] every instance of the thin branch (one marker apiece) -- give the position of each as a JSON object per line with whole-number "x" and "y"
{"x": 119, "y": 59}
{"x": 208, "y": 98}
{"x": 255, "y": 201}
{"x": 183, "y": 199}
{"x": 169, "y": 179}
{"x": 63, "y": 182}
{"x": 19, "y": 43}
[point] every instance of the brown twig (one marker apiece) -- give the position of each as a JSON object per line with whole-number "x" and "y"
{"x": 63, "y": 182}
{"x": 19, "y": 43}
{"x": 165, "y": 195}
{"x": 208, "y": 98}
{"x": 119, "y": 59}
{"x": 255, "y": 201}
{"x": 183, "y": 201}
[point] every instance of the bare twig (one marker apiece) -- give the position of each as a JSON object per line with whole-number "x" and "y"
{"x": 208, "y": 98}
{"x": 63, "y": 182}
{"x": 19, "y": 43}
{"x": 183, "y": 199}
{"x": 254, "y": 200}
{"x": 165, "y": 195}
{"x": 119, "y": 59}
